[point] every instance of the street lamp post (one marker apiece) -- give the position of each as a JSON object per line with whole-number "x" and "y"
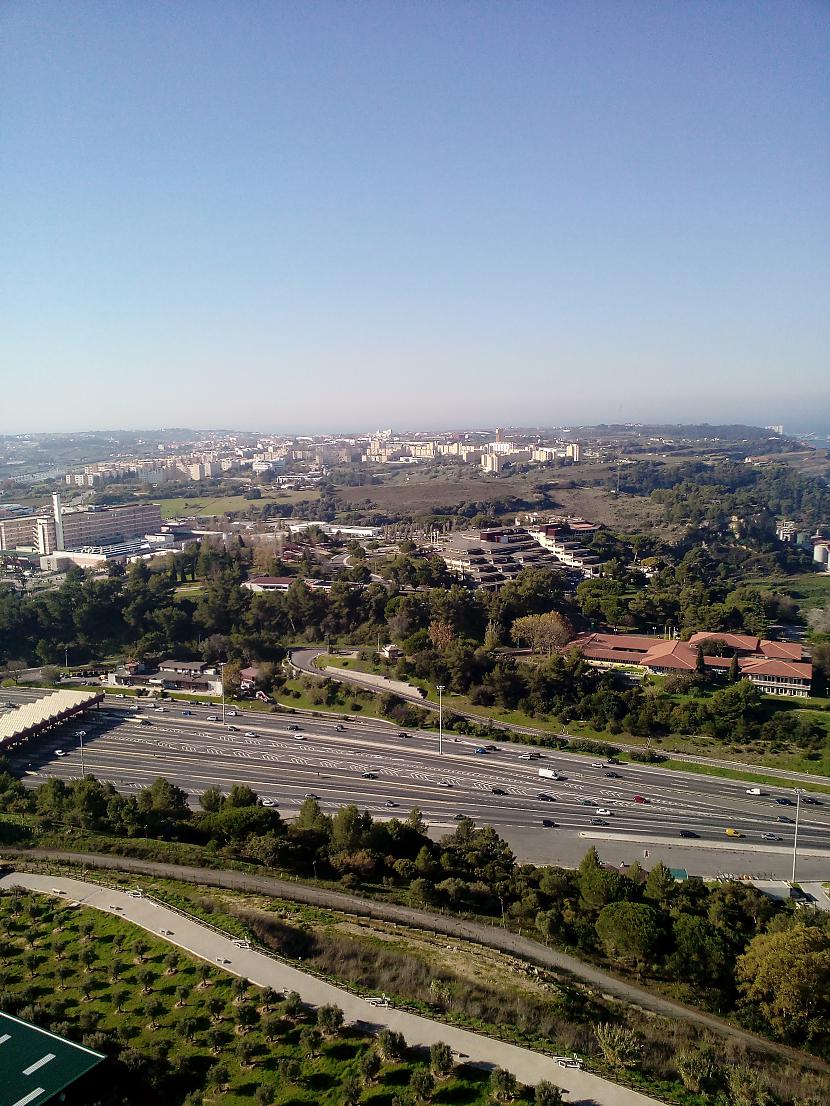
{"x": 440, "y": 690}
{"x": 222, "y": 677}
{"x": 83, "y": 766}
{"x": 795, "y": 835}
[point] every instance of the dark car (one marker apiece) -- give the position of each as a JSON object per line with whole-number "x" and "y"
{"x": 545, "y": 797}
{"x": 613, "y": 776}
{"x": 187, "y": 713}
{"x": 293, "y": 726}
{"x": 785, "y": 802}
{"x": 810, "y": 800}
{"x": 598, "y": 822}
{"x": 497, "y": 791}
{"x": 548, "y": 823}
{"x": 688, "y": 833}
{"x": 783, "y": 818}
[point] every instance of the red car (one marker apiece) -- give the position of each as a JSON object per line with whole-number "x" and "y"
{"x": 640, "y": 799}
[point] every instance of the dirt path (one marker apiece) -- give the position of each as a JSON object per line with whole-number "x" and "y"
{"x": 491, "y": 936}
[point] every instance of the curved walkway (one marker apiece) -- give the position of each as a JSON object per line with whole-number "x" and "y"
{"x": 178, "y": 929}
{"x": 490, "y": 936}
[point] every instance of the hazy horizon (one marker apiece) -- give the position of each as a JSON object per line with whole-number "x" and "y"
{"x": 300, "y": 217}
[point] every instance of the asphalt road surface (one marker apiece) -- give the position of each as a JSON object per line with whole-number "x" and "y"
{"x": 370, "y": 764}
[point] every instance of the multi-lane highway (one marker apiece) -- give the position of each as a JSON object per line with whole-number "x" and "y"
{"x": 621, "y": 808}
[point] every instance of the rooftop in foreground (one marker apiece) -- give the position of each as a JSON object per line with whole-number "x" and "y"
{"x": 35, "y": 1065}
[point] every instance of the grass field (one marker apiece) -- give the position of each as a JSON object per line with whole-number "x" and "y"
{"x": 809, "y": 589}
{"x": 421, "y": 490}
{"x": 177, "y": 1030}
{"x": 206, "y": 506}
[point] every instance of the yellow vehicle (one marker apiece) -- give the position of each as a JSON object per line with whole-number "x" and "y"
{"x": 733, "y": 833}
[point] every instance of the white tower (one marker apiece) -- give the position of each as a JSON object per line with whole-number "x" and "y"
{"x": 56, "y": 507}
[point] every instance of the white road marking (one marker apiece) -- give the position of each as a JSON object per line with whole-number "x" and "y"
{"x": 32, "y": 1068}
{"x": 30, "y": 1097}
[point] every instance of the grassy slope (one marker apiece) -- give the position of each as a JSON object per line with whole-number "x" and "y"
{"x": 88, "y": 993}
{"x": 206, "y": 505}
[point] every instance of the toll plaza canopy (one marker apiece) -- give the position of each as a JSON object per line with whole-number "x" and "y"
{"x": 35, "y": 1064}
{"x": 42, "y": 714}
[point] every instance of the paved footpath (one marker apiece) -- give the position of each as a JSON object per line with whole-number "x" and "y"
{"x": 584, "y": 1089}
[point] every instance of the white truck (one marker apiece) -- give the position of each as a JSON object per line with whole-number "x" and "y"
{"x": 548, "y": 773}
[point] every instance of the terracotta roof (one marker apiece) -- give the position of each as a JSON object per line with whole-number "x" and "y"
{"x": 745, "y": 642}
{"x": 764, "y": 667}
{"x": 782, "y": 650}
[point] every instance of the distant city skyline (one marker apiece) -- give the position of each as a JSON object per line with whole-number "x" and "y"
{"x": 304, "y": 216}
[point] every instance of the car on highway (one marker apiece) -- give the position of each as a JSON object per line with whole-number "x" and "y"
{"x": 299, "y": 737}
{"x": 445, "y": 783}
{"x": 481, "y": 750}
{"x": 598, "y": 822}
{"x": 144, "y": 722}
{"x": 587, "y": 802}
{"x": 784, "y": 818}
{"x": 250, "y": 733}
{"x": 785, "y": 802}
{"x": 160, "y": 710}
{"x": 640, "y": 799}
{"x": 613, "y": 776}
{"x": 60, "y": 753}
{"x": 340, "y": 728}
{"x": 771, "y": 837}
{"x": 403, "y": 733}
{"x": 730, "y": 832}
{"x": 689, "y": 833}
{"x": 268, "y": 802}
{"x": 390, "y": 802}
{"x": 548, "y": 823}
{"x": 187, "y": 713}
{"x": 459, "y": 817}
{"x": 311, "y": 795}
{"x": 234, "y": 729}
{"x": 544, "y": 797}
{"x": 810, "y": 800}
{"x": 598, "y": 764}
{"x": 603, "y": 810}
{"x": 232, "y": 713}
{"x": 369, "y": 775}
{"x": 497, "y": 791}
{"x": 213, "y": 718}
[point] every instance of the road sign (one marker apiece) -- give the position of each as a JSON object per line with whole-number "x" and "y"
{"x": 35, "y": 1064}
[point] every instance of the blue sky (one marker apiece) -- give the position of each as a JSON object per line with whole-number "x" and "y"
{"x": 342, "y": 215}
